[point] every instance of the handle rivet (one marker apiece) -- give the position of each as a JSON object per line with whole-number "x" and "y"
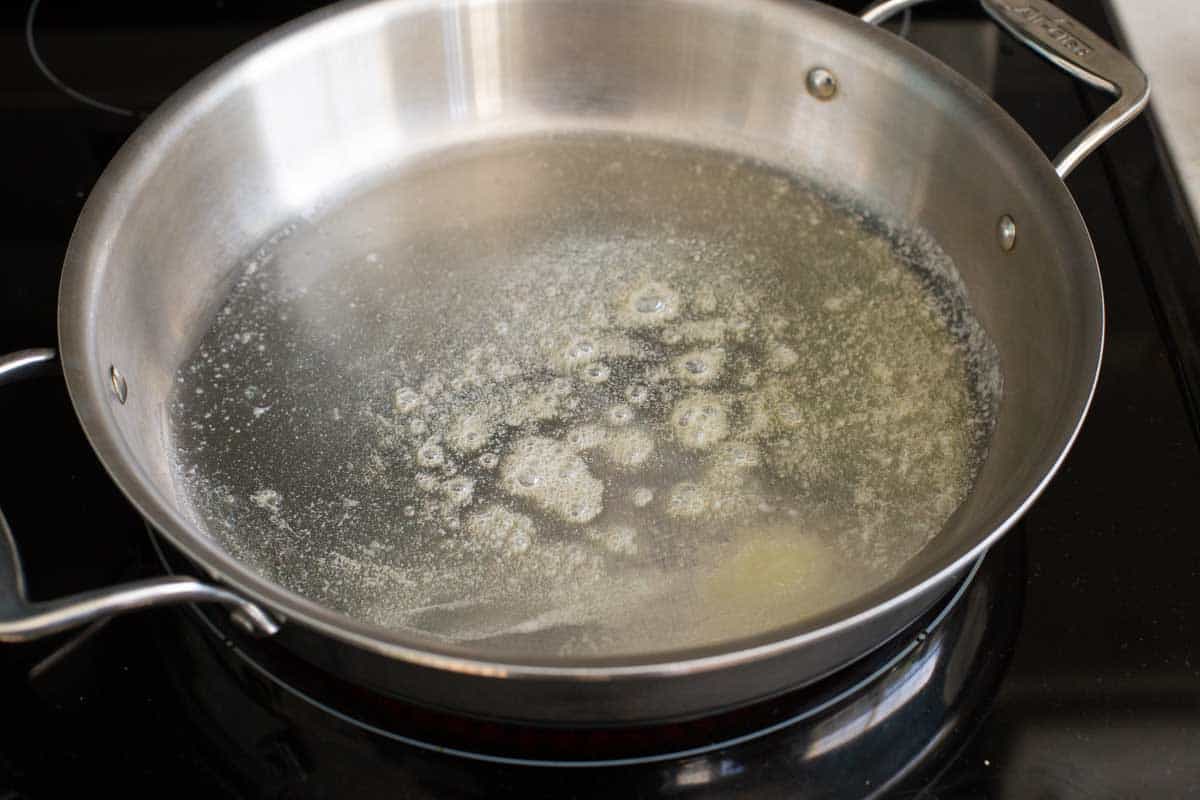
{"x": 1006, "y": 230}
{"x": 120, "y": 389}
{"x": 821, "y": 83}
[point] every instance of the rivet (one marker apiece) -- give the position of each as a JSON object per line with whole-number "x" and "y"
{"x": 120, "y": 389}
{"x": 821, "y": 83}
{"x": 1006, "y": 230}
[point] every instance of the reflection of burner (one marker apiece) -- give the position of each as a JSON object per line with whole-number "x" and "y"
{"x": 44, "y": 68}
{"x": 889, "y": 718}
{"x": 125, "y": 58}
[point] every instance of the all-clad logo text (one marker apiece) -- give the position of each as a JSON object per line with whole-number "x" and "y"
{"x": 1055, "y": 29}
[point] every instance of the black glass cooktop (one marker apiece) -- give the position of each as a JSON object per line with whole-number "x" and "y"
{"x": 1068, "y": 668}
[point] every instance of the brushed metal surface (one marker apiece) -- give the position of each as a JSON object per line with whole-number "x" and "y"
{"x": 318, "y": 107}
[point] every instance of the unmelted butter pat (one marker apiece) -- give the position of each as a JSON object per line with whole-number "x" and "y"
{"x": 773, "y": 576}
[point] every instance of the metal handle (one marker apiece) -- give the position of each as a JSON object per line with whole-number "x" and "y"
{"x": 1068, "y": 44}
{"x": 21, "y": 620}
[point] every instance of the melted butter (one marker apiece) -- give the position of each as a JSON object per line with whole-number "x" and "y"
{"x": 530, "y": 402}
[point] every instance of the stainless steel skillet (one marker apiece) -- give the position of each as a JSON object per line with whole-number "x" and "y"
{"x": 250, "y": 144}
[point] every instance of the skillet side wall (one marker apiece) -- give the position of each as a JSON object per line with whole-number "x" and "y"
{"x": 306, "y": 114}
